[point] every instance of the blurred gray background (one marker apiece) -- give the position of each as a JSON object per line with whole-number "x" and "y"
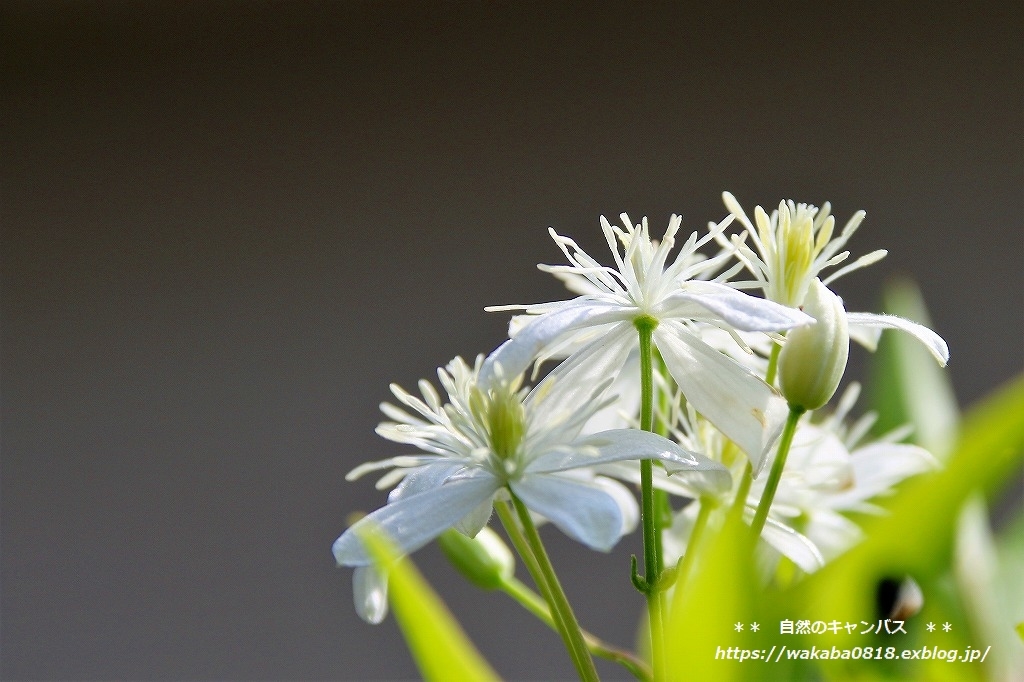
{"x": 226, "y": 227}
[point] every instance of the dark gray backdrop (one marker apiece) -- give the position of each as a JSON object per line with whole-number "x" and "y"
{"x": 227, "y": 227}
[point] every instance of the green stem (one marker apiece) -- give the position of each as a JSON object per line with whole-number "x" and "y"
{"x": 740, "y": 501}
{"x": 536, "y": 605}
{"x": 648, "y": 511}
{"x": 773, "y": 364}
{"x": 772, "y": 484}
{"x": 564, "y": 616}
{"x": 686, "y": 563}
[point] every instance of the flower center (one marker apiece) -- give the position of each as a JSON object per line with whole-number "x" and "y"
{"x": 796, "y": 234}
{"x": 500, "y": 412}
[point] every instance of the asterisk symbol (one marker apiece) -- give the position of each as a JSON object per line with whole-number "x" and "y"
{"x": 946, "y": 627}
{"x": 930, "y": 627}
{"x": 754, "y": 627}
{"x": 738, "y": 627}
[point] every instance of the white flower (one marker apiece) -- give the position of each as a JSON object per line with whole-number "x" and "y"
{"x": 793, "y": 245}
{"x": 829, "y": 472}
{"x": 492, "y": 439}
{"x": 599, "y": 328}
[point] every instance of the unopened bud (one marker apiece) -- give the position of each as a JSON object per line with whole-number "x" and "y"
{"x": 484, "y": 560}
{"x": 814, "y": 357}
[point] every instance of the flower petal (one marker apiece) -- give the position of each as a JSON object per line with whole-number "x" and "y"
{"x": 798, "y": 548}
{"x": 742, "y": 311}
{"x": 425, "y": 478}
{"x": 626, "y": 500}
{"x": 581, "y": 510}
{"x": 739, "y": 403}
{"x": 877, "y": 468}
{"x": 569, "y": 388}
{"x": 413, "y": 521}
{"x": 516, "y": 354}
{"x": 932, "y": 341}
{"x": 631, "y": 444}
{"x": 832, "y": 533}
{"x": 370, "y": 593}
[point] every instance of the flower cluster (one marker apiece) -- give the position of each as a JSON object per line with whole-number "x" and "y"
{"x": 669, "y": 376}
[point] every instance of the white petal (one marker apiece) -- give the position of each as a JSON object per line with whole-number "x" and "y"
{"x": 626, "y": 501}
{"x": 742, "y": 311}
{"x": 832, "y": 533}
{"x": 877, "y": 468}
{"x": 739, "y": 403}
{"x": 425, "y": 478}
{"x": 631, "y": 444}
{"x": 673, "y": 485}
{"x": 413, "y": 521}
{"x": 473, "y": 522}
{"x": 583, "y": 511}
{"x": 866, "y": 336}
{"x": 516, "y": 354}
{"x": 400, "y": 461}
{"x": 932, "y": 341}
{"x": 569, "y": 387}
{"x": 798, "y": 548}
{"x": 370, "y": 593}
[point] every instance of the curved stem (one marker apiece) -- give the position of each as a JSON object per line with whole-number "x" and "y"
{"x": 536, "y": 605}
{"x": 772, "y": 484}
{"x": 569, "y": 628}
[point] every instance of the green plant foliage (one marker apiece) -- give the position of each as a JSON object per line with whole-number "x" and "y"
{"x": 438, "y": 644}
{"x": 718, "y": 593}
{"x": 907, "y": 386}
{"x": 916, "y": 536}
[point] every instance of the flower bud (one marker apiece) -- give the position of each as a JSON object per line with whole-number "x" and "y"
{"x": 814, "y": 357}
{"x": 484, "y": 560}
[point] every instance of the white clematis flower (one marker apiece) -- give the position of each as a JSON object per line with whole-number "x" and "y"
{"x": 793, "y": 245}
{"x": 599, "y": 329}
{"x": 490, "y": 440}
{"x": 829, "y": 472}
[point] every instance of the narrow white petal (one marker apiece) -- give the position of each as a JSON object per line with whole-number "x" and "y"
{"x": 413, "y": 521}
{"x": 739, "y": 403}
{"x": 877, "y": 468}
{"x": 370, "y": 593}
{"x": 568, "y": 387}
{"x": 631, "y": 444}
{"x": 832, "y": 533}
{"x": 516, "y": 354}
{"x": 932, "y": 341}
{"x": 740, "y": 310}
{"x": 800, "y": 550}
{"x": 866, "y": 336}
{"x": 583, "y": 511}
{"x": 425, "y": 478}
{"x": 400, "y": 461}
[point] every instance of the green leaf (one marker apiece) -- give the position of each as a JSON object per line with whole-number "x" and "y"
{"x": 701, "y": 639}
{"x": 907, "y": 385}
{"x": 916, "y": 536}
{"x": 438, "y": 644}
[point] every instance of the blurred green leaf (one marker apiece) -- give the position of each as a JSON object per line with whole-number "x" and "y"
{"x": 438, "y": 644}
{"x": 916, "y": 536}
{"x": 907, "y": 385}
{"x": 700, "y": 628}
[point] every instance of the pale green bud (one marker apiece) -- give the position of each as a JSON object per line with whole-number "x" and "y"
{"x": 484, "y": 560}
{"x": 814, "y": 357}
